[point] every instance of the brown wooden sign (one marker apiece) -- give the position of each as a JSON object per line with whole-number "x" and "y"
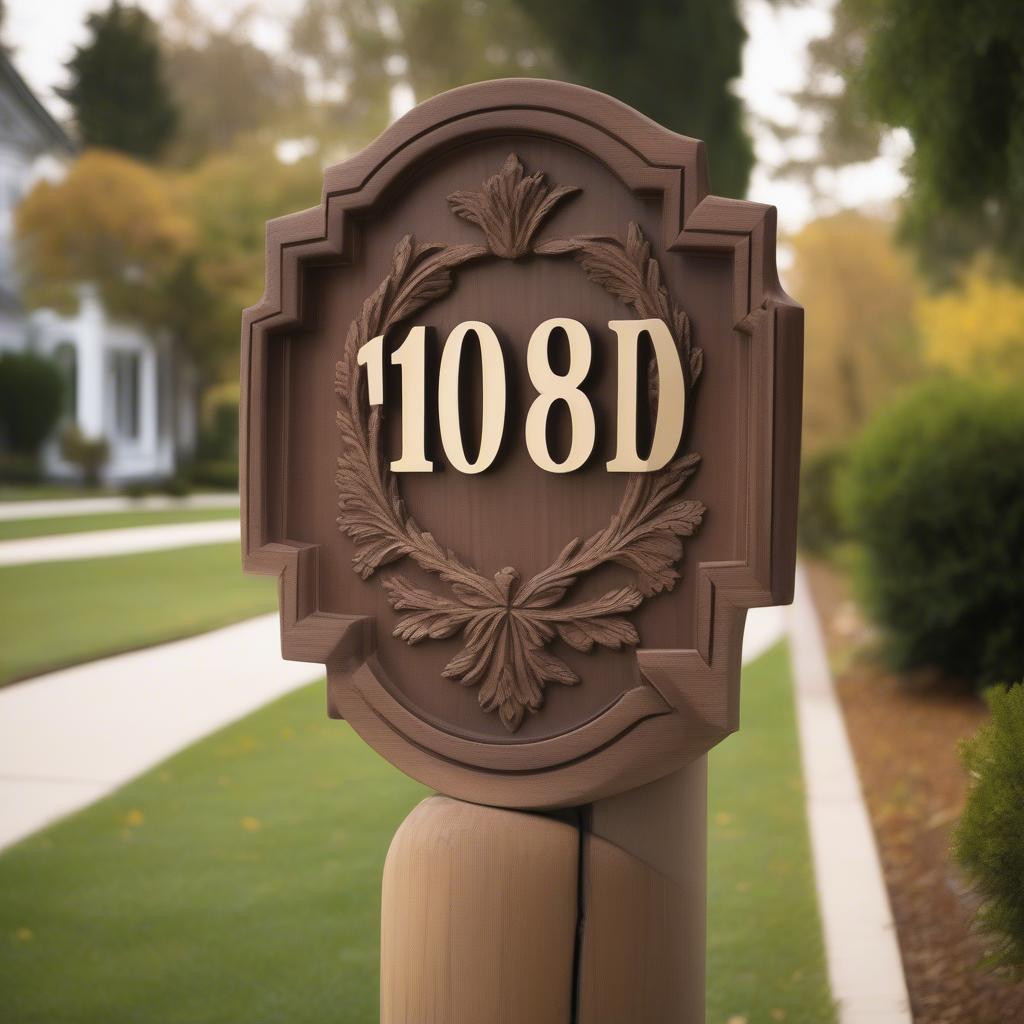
{"x": 521, "y": 414}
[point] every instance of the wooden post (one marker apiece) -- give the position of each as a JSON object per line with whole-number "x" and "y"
{"x": 596, "y": 918}
{"x": 645, "y": 895}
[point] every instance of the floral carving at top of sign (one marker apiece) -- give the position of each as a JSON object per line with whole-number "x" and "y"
{"x": 507, "y": 623}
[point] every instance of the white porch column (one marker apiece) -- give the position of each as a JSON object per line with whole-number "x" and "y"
{"x": 89, "y": 331}
{"x": 149, "y": 402}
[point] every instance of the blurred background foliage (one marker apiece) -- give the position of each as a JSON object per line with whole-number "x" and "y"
{"x": 194, "y": 136}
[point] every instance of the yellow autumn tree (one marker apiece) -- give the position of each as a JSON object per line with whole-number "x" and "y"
{"x": 976, "y": 328}
{"x": 860, "y": 293}
{"x": 111, "y": 222}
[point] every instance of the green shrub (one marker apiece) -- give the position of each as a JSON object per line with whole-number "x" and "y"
{"x": 989, "y": 841}
{"x": 935, "y": 496}
{"x": 19, "y": 469}
{"x": 31, "y": 398}
{"x": 218, "y": 436}
{"x": 89, "y": 454}
{"x": 176, "y": 487}
{"x": 820, "y": 524}
{"x": 221, "y": 475}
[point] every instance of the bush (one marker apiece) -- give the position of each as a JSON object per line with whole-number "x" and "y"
{"x": 820, "y": 525}
{"x": 221, "y": 475}
{"x": 19, "y": 469}
{"x": 89, "y": 454}
{"x": 31, "y": 398}
{"x": 989, "y": 841}
{"x": 218, "y": 436}
{"x": 935, "y": 495}
{"x": 176, "y": 487}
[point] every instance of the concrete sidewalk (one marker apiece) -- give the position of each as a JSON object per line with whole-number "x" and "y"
{"x": 68, "y": 547}
{"x": 61, "y": 507}
{"x": 864, "y": 964}
{"x": 69, "y": 738}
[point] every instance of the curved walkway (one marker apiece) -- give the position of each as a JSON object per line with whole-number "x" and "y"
{"x": 70, "y": 737}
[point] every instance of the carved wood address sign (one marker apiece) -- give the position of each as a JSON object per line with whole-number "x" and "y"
{"x": 521, "y": 411}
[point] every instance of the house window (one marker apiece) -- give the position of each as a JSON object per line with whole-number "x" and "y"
{"x": 125, "y": 367}
{"x": 65, "y": 356}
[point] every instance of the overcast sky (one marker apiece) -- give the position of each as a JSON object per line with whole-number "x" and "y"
{"x": 44, "y": 34}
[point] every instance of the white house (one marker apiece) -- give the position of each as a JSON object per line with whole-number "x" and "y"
{"x": 124, "y": 384}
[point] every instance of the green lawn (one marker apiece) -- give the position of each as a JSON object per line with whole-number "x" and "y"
{"x": 16, "y": 529}
{"x": 54, "y": 614}
{"x": 765, "y": 955}
{"x": 241, "y": 881}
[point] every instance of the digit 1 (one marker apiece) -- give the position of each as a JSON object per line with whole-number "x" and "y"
{"x": 411, "y": 357}
{"x": 492, "y": 384}
{"x": 668, "y": 426}
{"x": 371, "y": 355}
{"x": 551, "y": 387}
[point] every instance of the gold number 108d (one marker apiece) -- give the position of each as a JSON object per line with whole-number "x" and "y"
{"x": 551, "y": 387}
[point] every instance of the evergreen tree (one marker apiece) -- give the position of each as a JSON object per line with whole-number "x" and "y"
{"x": 117, "y": 90}
{"x": 673, "y": 60}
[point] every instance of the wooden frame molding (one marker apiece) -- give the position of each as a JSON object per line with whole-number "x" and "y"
{"x": 684, "y": 701}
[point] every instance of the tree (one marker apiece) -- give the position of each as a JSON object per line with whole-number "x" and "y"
{"x": 112, "y": 222}
{"x": 859, "y": 291}
{"x": 175, "y": 252}
{"x": 976, "y": 328}
{"x": 671, "y": 59}
{"x": 950, "y": 74}
{"x": 224, "y": 86}
{"x": 117, "y": 92}
{"x": 365, "y": 49}
{"x": 674, "y": 60}
{"x": 121, "y": 226}
{"x": 229, "y": 199}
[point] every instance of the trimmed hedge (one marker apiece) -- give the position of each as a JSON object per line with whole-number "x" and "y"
{"x": 989, "y": 841}
{"x": 935, "y": 496}
{"x": 31, "y": 396}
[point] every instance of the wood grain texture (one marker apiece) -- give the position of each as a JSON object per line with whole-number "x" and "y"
{"x": 645, "y": 873}
{"x": 478, "y": 917}
{"x": 636, "y": 963}
{"x": 715, "y": 255}
{"x": 498, "y": 916}
{"x": 506, "y": 624}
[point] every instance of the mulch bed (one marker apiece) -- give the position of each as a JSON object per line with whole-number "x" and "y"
{"x": 904, "y": 732}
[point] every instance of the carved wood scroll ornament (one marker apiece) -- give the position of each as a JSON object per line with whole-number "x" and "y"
{"x": 507, "y": 624}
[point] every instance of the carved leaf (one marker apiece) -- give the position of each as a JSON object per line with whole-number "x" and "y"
{"x": 506, "y": 626}
{"x": 510, "y": 208}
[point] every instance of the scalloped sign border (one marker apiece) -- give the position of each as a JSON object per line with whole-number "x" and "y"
{"x": 690, "y": 698}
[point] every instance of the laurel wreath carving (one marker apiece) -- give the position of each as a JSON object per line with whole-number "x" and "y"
{"x": 506, "y": 623}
